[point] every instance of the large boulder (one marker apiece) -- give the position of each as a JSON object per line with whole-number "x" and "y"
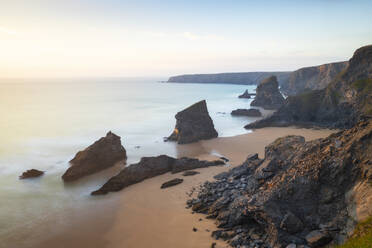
{"x": 193, "y": 124}
{"x": 150, "y": 167}
{"x": 247, "y": 112}
{"x": 268, "y": 95}
{"x": 102, "y": 154}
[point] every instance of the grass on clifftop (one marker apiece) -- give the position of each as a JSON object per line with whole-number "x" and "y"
{"x": 364, "y": 88}
{"x": 362, "y": 236}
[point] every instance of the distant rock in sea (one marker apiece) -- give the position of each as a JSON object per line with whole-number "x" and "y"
{"x": 268, "y": 95}
{"x": 193, "y": 124}
{"x": 150, "y": 167}
{"x": 246, "y": 94}
{"x": 31, "y": 173}
{"x": 102, "y": 154}
{"x": 247, "y": 112}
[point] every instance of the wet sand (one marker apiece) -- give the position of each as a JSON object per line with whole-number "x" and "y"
{"x": 143, "y": 215}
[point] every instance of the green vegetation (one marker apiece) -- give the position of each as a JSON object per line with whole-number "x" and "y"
{"x": 364, "y": 88}
{"x": 362, "y": 236}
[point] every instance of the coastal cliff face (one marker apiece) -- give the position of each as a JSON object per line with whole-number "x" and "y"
{"x": 301, "y": 194}
{"x": 248, "y": 78}
{"x": 312, "y": 78}
{"x": 345, "y": 100}
{"x": 268, "y": 95}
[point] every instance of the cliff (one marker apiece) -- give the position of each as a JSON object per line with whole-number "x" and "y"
{"x": 248, "y": 78}
{"x": 312, "y": 78}
{"x": 347, "y": 99}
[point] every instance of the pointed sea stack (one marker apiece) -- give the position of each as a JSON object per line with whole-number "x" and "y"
{"x": 193, "y": 124}
{"x": 102, "y": 154}
{"x": 246, "y": 94}
{"x": 268, "y": 95}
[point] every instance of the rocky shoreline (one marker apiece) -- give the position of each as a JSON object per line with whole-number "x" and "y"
{"x": 300, "y": 195}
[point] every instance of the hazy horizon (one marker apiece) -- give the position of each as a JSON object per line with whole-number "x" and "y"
{"x": 69, "y": 39}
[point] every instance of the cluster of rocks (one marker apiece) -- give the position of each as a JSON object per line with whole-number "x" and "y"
{"x": 150, "y": 167}
{"x": 193, "y": 124}
{"x": 246, "y": 94}
{"x": 268, "y": 95}
{"x": 247, "y": 112}
{"x": 344, "y": 102}
{"x": 302, "y": 194}
{"x": 103, "y": 154}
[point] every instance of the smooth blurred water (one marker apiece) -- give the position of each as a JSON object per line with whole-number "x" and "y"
{"x": 44, "y": 123}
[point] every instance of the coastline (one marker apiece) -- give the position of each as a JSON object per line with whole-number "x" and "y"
{"x": 143, "y": 215}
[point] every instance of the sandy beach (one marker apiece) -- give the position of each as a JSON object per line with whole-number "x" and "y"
{"x": 143, "y": 215}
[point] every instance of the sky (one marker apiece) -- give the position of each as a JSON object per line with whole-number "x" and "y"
{"x": 112, "y": 38}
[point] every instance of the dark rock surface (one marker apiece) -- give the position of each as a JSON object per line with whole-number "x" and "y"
{"x": 248, "y": 78}
{"x": 100, "y": 155}
{"x": 190, "y": 173}
{"x": 268, "y": 95}
{"x": 171, "y": 183}
{"x": 31, "y": 173}
{"x": 247, "y": 112}
{"x": 312, "y": 78}
{"x": 193, "y": 124}
{"x": 303, "y": 193}
{"x": 150, "y": 167}
{"x": 246, "y": 94}
{"x": 345, "y": 101}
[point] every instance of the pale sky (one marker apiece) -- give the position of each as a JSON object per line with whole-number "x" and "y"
{"x": 90, "y": 38}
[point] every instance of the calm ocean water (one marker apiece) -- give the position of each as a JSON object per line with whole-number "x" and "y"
{"x": 44, "y": 123}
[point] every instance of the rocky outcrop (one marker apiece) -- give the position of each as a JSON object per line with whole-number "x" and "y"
{"x": 312, "y": 78}
{"x": 171, "y": 183}
{"x": 31, "y": 174}
{"x": 299, "y": 194}
{"x": 247, "y": 112}
{"x": 102, "y": 154}
{"x": 248, "y": 78}
{"x": 246, "y": 94}
{"x": 193, "y": 124}
{"x": 342, "y": 104}
{"x": 150, "y": 167}
{"x": 268, "y": 95}
{"x": 190, "y": 173}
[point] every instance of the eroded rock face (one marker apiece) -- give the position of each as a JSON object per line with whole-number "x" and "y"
{"x": 299, "y": 194}
{"x": 247, "y": 112}
{"x": 268, "y": 95}
{"x": 150, "y": 167}
{"x": 344, "y": 102}
{"x": 193, "y": 124}
{"x": 100, "y": 155}
{"x": 31, "y": 174}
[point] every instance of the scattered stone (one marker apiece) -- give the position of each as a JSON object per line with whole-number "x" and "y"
{"x": 101, "y": 155}
{"x": 213, "y": 245}
{"x": 171, "y": 183}
{"x": 193, "y": 124}
{"x": 247, "y": 112}
{"x": 190, "y": 173}
{"x": 31, "y": 173}
{"x": 317, "y": 238}
{"x": 194, "y": 229}
{"x": 224, "y": 159}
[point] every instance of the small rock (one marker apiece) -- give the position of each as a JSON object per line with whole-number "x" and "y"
{"x": 190, "y": 173}
{"x": 171, "y": 183}
{"x": 31, "y": 173}
{"x": 194, "y": 229}
{"x": 317, "y": 238}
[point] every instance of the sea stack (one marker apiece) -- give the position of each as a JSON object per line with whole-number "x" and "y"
{"x": 246, "y": 94}
{"x": 31, "y": 174}
{"x": 193, "y": 124}
{"x": 102, "y": 154}
{"x": 268, "y": 95}
{"x": 247, "y": 112}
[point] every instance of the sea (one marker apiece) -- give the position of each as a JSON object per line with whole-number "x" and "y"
{"x": 44, "y": 122}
